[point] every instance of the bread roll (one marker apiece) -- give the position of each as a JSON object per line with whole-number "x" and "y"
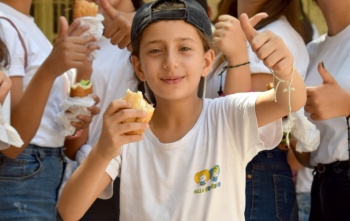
{"x": 81, "y": 89}
{"x": 138, "y": 102}
{"x": 84, "y": 8}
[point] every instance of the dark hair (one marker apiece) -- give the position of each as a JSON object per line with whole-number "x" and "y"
{"x": 291, "y": 9}
{"x": 137, "y": 3}
{"x": 4, "y": 55}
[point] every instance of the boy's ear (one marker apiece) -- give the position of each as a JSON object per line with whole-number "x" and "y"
{"x": 209, "y": 57}
{"x": 135, "y": 61}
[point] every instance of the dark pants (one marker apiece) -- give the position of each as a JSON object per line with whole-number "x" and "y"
{"x": 106, "y": 210}
{"x": 270, "y": 190}
{"x": 330, "y": 193}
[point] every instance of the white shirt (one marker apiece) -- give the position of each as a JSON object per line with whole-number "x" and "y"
{"x": 202, "y": 175}
{"x": 50, "y": 132}
{"x": 334, "y": 52}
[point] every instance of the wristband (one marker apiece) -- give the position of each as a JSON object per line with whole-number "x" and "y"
{"x": 238, "y": 65}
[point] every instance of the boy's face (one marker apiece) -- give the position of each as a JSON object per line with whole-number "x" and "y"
{"x": 172, "y": 59}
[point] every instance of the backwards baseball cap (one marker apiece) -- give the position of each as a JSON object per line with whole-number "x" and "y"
{"x": 192, "y": 13}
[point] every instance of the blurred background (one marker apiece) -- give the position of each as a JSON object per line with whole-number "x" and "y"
{"x": 47, "y": 12}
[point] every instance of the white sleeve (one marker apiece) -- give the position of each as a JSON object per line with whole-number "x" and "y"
{"x": 112, "y": 170}
{"x": 248, "y": 137}
{"x": 14, "y": 46}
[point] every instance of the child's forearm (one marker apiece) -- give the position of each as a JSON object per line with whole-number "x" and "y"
{"x": 28, "y": 106}
{"x": 275, "y": 104}
{"x": 238, "y": 75}
{"x": 290, "y": 91}
{"x": 84, "y": 186}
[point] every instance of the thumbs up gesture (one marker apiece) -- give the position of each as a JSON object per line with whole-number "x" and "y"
{"x": 327, "y": 100}
{"x": 229, "y": 37}
{"x": 269, "y": 48}
{"x": 117, "y": 25}
{"x": 69, "y": 50}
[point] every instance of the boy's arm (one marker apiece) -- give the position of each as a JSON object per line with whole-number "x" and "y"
{"x": 90, "y": 179}
{"x": 84, "y": 186}
{"x": 290, "y": 92}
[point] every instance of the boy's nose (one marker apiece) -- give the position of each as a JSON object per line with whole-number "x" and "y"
{"x": 170, "y": 60}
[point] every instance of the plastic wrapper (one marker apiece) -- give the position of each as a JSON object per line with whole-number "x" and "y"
{"x": 8, "y": 135}
{"x": 72, "y": 107}
{"x": 305, "y": 132}
{"x": 96, "y": 28}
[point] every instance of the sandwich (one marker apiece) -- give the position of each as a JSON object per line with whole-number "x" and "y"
{"x": 81, "y": 89}
{"x": 84, "y": 8}
{"x": 138, "y": 102}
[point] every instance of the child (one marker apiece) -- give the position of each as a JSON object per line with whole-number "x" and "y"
{"x": 190, "y": 162}
{"x": 30, "y": 175}
{"x": 328, "y": 107}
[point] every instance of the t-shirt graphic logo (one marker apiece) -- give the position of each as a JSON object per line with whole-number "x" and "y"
{"x": 202, "y": 178}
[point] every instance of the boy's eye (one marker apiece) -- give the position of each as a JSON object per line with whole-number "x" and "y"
{"x": 185, "y": 49}
{"x": 155, "y": 51}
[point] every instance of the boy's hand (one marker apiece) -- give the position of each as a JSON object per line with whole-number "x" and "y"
{"x": 269, "y": 48}
{"x": 117, "y": 25}
{"x": 86, "y": 120}
{"x": 113, "y": 130}
{"x": 327, "y": 100}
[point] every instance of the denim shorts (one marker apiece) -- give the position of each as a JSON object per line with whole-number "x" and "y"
{"x": 270, "y": 190}
{"x": 330, "y": 192}
{"x": 29, "y": 184}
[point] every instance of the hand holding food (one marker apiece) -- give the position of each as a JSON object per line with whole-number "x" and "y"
{"x": 138, "y": 102}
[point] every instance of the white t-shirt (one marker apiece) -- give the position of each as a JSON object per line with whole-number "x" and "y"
{"x": 291, "y": 38}
{"x": 50, "y": 132}
{"x": 334, "y": 52}
{"x": 202, "y": 175}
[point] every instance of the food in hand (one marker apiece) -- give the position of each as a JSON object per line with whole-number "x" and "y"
{"x": 138, "y": 102}
{"x": 81, "y": 89}
{"x": 84, "y": 8}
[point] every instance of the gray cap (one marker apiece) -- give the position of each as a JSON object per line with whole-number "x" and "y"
{"x": 193, "y": 13}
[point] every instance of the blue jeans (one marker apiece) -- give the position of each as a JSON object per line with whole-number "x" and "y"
{"x": 270, "y": 190}
{"x": 304, "y": 205}
{"x": 330, "y": 192}
{"x": 29, "y": 184}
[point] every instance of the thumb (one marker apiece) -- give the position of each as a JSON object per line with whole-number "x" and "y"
{"x": 247, "y": 27}
{"x": 63, "y": 27}
{"x": 110, "y": 11}
{"x": 257, "y": 18}
{"x": 326, "y": 76}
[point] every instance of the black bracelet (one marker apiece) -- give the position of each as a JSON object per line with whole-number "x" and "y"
{"x": 238, "y": 65}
